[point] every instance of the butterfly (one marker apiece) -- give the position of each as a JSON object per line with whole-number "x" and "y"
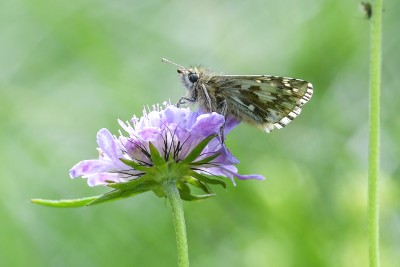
{"x": 265, "y": 101}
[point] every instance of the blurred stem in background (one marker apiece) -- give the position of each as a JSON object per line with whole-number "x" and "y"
{"x": 373, "y": 172}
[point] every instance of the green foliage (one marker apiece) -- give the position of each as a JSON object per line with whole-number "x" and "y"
{"x": 65, "y": 203}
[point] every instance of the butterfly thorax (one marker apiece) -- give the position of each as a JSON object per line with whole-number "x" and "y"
{"x": 195, "y": 80}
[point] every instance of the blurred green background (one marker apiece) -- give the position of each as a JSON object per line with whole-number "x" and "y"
{"x": 69, "y": 68}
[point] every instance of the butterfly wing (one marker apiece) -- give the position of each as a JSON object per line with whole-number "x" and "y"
{"x": 266, "y": 101}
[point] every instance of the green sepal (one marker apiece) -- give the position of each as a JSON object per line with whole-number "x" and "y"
{"x": 155, "y": 155}
{"x": 199, "y": 184}
{"x": 206, "y": 179}
{"x": 195, "y": 153}
{"x": 182, "y": 186}
{"x": 205, "y": 160}
{"x": 135, "y": 165}
{"x": 65, "y": 203}
{"x": 185, "y": 193}
{"x": 190, "y": 197}
{"x": 159, "y": 191}
{"x": 132, "y": 183}
{"x": 124, "y": 193}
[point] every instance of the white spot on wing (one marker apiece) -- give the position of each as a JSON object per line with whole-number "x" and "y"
{"x": 285, "y": 120}
{"x": 268, "y": 127}
{"x": 297, "y": 110}
{"x": 303, "y": 101}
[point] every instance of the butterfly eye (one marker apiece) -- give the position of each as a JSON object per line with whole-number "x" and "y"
{"x": 193, "y": 77}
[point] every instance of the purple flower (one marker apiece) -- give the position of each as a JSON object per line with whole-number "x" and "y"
{"x": 186, "y": 141}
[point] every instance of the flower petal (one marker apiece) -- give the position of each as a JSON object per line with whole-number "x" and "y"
{"x": 107, "y": 143}
{"x": 245, "y": 177}
{"x": 208, "y": 124}
{"x": 249, "y": 176}
{"x": 149, "y": 133}
{"x": 87, "y": 167}
{"x": 173, "y": 114}
{"x": 230, "y": 123}
{"x": 225, "y": 157}
{"x": 102, "y": 178}
{"x": 137, "y": 150}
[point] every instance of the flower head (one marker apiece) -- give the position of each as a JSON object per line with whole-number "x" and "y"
{"x": 165, "y": 143}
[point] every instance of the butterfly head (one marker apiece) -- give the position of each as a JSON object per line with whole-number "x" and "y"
{"x": 189, "y": 77}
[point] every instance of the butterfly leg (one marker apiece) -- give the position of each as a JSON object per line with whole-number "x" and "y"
{"x": 183, "y": 100}
{"x": 189, "y": 98}
{"x": 223, "y": 108}
{"x": 207, "y": 97}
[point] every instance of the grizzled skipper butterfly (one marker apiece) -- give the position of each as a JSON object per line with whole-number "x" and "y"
{"x": 265, "y": 101}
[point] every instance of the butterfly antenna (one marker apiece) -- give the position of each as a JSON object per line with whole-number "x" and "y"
{"x": 173, "y": 63}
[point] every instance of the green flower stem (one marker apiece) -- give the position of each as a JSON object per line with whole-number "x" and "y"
{"x": 172, "y": 193}
{"x": 373, "y": 158}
